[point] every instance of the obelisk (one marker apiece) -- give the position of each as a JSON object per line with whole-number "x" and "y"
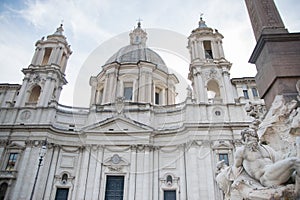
{"x": 276, "y": 54}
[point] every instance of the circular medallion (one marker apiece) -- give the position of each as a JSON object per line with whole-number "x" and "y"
{"x": 25, "y": 115}
{"x": 116, "y": 159}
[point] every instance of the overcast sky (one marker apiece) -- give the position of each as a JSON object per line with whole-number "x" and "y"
{"x": 90, "y": 24}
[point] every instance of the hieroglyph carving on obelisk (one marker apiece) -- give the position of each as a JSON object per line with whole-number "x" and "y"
{"x": 265, "y": 18}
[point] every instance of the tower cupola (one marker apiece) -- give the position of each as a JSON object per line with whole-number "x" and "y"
{"x": 138, "y": 36}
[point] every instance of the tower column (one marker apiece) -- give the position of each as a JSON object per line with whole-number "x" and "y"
{"x": 196, "y": 88}
{"x": 35, "y": 56}
{"x": 197, "y": 52}
{"x": 40, "y": 56}
{"x": 193, "y": 51}
{"x": 221, "y": 51}
{"x": 214, "y": 50}
{"x": 20, "y": 99}
{"x": 43, "y": 101}
{"x": 58, "y": 54}
{"x": 228, "y": 87}
{"x": 201, "y": 50}
{"x": 199, "y": 88}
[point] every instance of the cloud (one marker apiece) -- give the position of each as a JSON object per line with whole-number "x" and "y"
{"x": 88, "y": 24}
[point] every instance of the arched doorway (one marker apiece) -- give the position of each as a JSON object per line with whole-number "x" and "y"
{"x": 3, "y": 189}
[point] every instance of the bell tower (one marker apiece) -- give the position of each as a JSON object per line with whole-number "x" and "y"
{"x": 45, "y": 76}
{"x": 209, "y": 70}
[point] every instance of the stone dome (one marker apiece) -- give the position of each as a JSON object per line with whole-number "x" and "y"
{"x": 138, "y": 51}
{"x": 134, "y": 53}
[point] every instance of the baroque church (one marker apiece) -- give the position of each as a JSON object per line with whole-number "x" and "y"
{"x": 134, "y": 141}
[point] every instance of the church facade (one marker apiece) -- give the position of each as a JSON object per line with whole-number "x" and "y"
{"x": 134, "y": 141}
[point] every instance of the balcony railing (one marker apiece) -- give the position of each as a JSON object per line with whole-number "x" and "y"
{"x": 8, "y": 174}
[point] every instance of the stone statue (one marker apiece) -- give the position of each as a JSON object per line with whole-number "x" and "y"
{"x": 254, "y": 110}
{"x": 258, "y": 171}
{"x": 262, "y": 163}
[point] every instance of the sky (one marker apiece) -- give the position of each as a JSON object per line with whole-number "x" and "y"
{"x": 98, "y": 28}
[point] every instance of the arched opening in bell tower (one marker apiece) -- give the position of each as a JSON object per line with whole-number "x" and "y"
{"x": 207, "y": 49}
{"x": 46, "y": 56}
{"x": 213, "y": 91}
{"x": 35, "y": 94}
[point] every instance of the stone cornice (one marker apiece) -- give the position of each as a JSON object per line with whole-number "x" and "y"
{"x": 264, "y": 38}
{"x": 9, "y": 86}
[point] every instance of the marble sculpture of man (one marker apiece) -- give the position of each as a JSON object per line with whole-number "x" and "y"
{"x": 262, "y": 163}
{"x": 257, "y": 167}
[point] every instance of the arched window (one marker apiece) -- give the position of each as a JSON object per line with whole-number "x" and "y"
{"x": 3, "y": 188}
{"x": 64, "y": 178}
{"x": 169, "y": 179}
{"x": 34, "y": 95}
{"x": 213, "y": 91}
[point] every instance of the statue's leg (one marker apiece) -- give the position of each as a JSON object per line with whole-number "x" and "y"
{"x": 280, "y": 172}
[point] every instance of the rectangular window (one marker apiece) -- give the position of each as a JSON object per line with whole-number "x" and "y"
{"x": 156, "y": 98}
{"x": 170, "y": 195}
{"x": 207, "y": 49}
{"x": 11, "y": 163}
{"x": 254, "y": 92}
{"x": 114, "y": 188}
{"x": 224, "y": 156}
{"x": 246, "y": 94}
{"x": 62, "y": 194}
{"x": 46, "y": 56}
{"x": 128, "y": 91}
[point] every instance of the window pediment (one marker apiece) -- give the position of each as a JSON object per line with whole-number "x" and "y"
{"x": 15, "y": 146}
{"x": 222, "y": 145}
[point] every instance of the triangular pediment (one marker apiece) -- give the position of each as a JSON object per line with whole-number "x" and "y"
{"x": 15, "y": 146}
{"x": 222, "y": 145}
{"x": 118, "y": 124}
